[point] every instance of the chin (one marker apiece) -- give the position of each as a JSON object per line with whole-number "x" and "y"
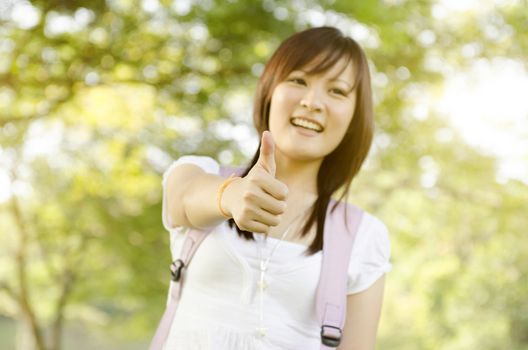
{"x": 303, "y": 156}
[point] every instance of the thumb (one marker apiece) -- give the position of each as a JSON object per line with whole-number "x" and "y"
{"x": 267, "y": 153}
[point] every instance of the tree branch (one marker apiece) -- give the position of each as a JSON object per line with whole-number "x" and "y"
{"x": 4, "y": 286}
{"x": 68, "y": 281}
{"x": 21, "y": 273}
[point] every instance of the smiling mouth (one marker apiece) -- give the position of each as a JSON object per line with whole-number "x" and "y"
{"x": 306, "y": 124}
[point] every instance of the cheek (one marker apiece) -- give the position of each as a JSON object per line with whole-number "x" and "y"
{"x": 282, "y": 105}
{"x": 341, "y": 122}
{"x": 343, "y": 117}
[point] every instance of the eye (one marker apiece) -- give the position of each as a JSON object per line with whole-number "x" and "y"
{"x": 299, "y": 81}
{"x": 338, "y": 91}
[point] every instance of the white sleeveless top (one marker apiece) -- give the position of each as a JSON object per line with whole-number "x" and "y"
{"x": 219, "y": 305}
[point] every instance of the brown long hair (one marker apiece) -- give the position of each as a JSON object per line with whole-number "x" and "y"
{"x": 322, "y": 48}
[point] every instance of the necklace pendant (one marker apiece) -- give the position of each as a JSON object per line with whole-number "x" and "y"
{"x": 261, "y": 331}
{"x": 262, "y": 284}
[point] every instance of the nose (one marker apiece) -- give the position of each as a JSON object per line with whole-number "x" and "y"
{"x": 311, "y": 101}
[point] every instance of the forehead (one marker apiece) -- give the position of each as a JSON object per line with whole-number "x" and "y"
{"x": 343, "y": 68}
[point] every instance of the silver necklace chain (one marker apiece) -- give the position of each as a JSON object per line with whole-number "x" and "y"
{"x": 263, "y": 266}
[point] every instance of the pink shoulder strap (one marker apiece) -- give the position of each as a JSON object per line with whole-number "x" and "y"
{"x": 190, "y": 245}
{"x": 332, "y": 287}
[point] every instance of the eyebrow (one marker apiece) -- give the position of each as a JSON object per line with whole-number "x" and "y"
{"x": 333, "y": 79}
{"x": 344, "y": 81}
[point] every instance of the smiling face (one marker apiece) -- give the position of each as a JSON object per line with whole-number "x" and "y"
{"x": 310, "y": 113}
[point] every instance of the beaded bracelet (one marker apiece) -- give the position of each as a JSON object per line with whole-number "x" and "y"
{"x": 220, "y": 192}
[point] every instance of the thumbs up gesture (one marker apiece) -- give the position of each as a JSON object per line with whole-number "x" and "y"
{"x": 257, "y": 201}
{"x": 267, "y": 154}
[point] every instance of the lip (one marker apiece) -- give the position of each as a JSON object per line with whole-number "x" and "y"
{"x": 305, "y": 132}
{"x": 310, "y": 120}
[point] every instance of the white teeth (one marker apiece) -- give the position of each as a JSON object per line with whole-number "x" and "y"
{"x": 306, "y": 124}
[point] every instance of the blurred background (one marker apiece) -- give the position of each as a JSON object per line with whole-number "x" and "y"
{"x": 97, "y": 98}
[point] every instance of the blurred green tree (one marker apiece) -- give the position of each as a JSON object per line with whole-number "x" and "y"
{"x": 97, "y": 97}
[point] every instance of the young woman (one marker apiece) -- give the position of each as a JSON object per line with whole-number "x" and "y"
{"x": 313, "y": 110}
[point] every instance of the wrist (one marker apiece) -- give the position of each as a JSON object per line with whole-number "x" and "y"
{"x": 222, "y": 193}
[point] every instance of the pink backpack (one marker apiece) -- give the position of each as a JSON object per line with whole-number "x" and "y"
{"x": 331, "y": 290}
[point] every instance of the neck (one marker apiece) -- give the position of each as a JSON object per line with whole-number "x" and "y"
{"x": 299, "y": 176}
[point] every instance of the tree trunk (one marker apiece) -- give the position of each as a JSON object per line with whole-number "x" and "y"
{"x": 27, "y": 313}
{"x": 24, "y": 339}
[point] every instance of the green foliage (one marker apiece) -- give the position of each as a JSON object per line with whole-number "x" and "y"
{"x": 135, "y": 87}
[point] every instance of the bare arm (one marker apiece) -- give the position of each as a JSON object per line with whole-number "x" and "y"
{"x": 362, "y": 319}
{"x": 191, "y": 197}
{"x": 255, "y": 202}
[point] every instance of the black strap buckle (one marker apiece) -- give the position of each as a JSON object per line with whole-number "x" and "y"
{"x": 331, "y": 340}
{"x": 176, "y": 269}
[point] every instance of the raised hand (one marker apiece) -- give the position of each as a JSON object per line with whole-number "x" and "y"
{"x": 257, "y": 201}
{"x": 267, "y": 154}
